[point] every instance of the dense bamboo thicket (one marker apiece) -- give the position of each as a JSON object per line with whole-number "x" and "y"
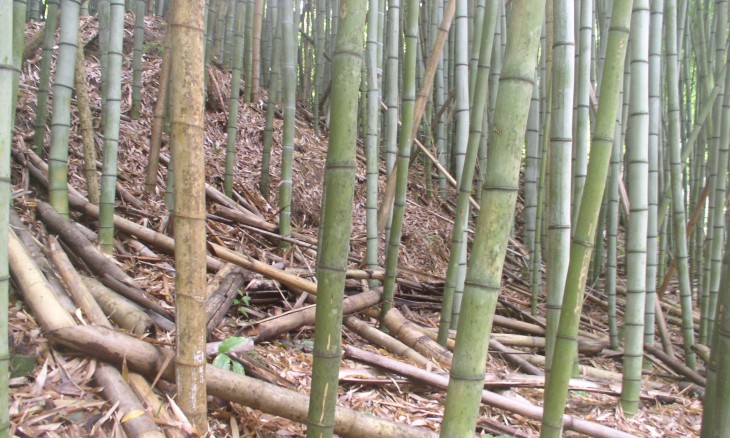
{"x": 563, "y": 166}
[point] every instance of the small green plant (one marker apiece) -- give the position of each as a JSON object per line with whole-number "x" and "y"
{"x": 242, "y": 302}
{"x": 222, "y": 360}
{"x": 152, "y": 46}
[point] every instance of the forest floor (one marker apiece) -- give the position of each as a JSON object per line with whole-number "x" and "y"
{"x": 58, "y": 396}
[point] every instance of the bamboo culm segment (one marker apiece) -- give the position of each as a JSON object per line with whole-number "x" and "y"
{"x": 636, "y": 233}
{"x": 41, "y": 114}
{"x": 336, "y": 226}
{"x": 499, "y": 197}
{"x": 404, "y": 152}
{"x": 187, "y": 137}
{"x": 111, "y": 127}
{"x": 289, "y": 82}
{"x": 61, "y": 116}
{"x": 560, "y": 153}
{"x": 585, "y": 229}
{"x": 233, "y": 100}
{"x": 458, "y": 239}
{"x": 673, "y": 146}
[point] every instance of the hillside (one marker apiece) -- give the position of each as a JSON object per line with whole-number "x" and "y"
{"x": 56, "y": 394}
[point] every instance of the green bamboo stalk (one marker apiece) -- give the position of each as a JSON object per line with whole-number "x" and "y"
{"x": 580, "y": 252}
{"x": 636, "y": 233}
{"x": 655, "y": 113}
{"x": 461, "y": 216}
{"x": 336, "y": 226}
{"x": 41, "y": 112}
{"x": 61, "y": 116}
{"x": 612, "y": 219}
{"x": 536, "y": 262}
{"x": 34, "y": 10}
{"x": 532, "y": 174}
{"x": 372, "y": 139}
{"x": 267, "y": 41}
{"x": 233, "y": 99}
{"x": 210, "y": 20}
{"x": 274, "y": 97}
{"x": 404, "y": 152}
{"x": 499, "y": 197}
{"x": 220, "y": 30}
{"x": 475, "y": 44}
{"x": 560, "y": 152}
{"x": 718, "y": 199}
{"x": 673, "y": 140}
{"x": 20, "y": 8}
{"x": 289, "y": 82}
{"x": 7, "y": 71}
{"x": 187, "y": 139}
{"x": 104, "y": 18}
{"x": 495, "y": 65}
{"x": 715, "y": 421}
{"x": 141, "y": 8}
{"x": 461, "y": 88}
{"x": 582, "y": 115}
{"x": 459, "y": 146}
{"x": 248, "y": 47}
{"x": 391, "y": 85}
{"x": 688, "y": 147}
{"x": 319, "y": 61}
{"x": 440, "y": 101}
{"x": 227, "y": 59}
{"x": 258, "y": 14}
{"x": 111, "y": 127}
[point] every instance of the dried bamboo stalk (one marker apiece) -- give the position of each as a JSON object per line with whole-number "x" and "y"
{"x": 292, "y": 320}
{"x": 51, "y": 316}
{"x": 124, "y": 314}
{"x": 488, "y": 397}
{"x": 150, "y": 361}
{"x": 378, "y": 337}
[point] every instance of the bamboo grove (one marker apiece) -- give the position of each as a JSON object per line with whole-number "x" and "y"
{"x": 593, "y": 134}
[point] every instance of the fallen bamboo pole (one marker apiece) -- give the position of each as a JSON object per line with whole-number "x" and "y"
{"x": 150, "y": 361}
{"x": 488, "y": 397}
{"x": 274, "y": 327}
{"x": 51, "y": 316}
{"x": 378, "y": 337}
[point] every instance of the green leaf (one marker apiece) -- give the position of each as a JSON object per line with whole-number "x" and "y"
{"x": 238, "y": 368}
{"x": 231, "y": 343}
{"x": 222, "y": 361}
